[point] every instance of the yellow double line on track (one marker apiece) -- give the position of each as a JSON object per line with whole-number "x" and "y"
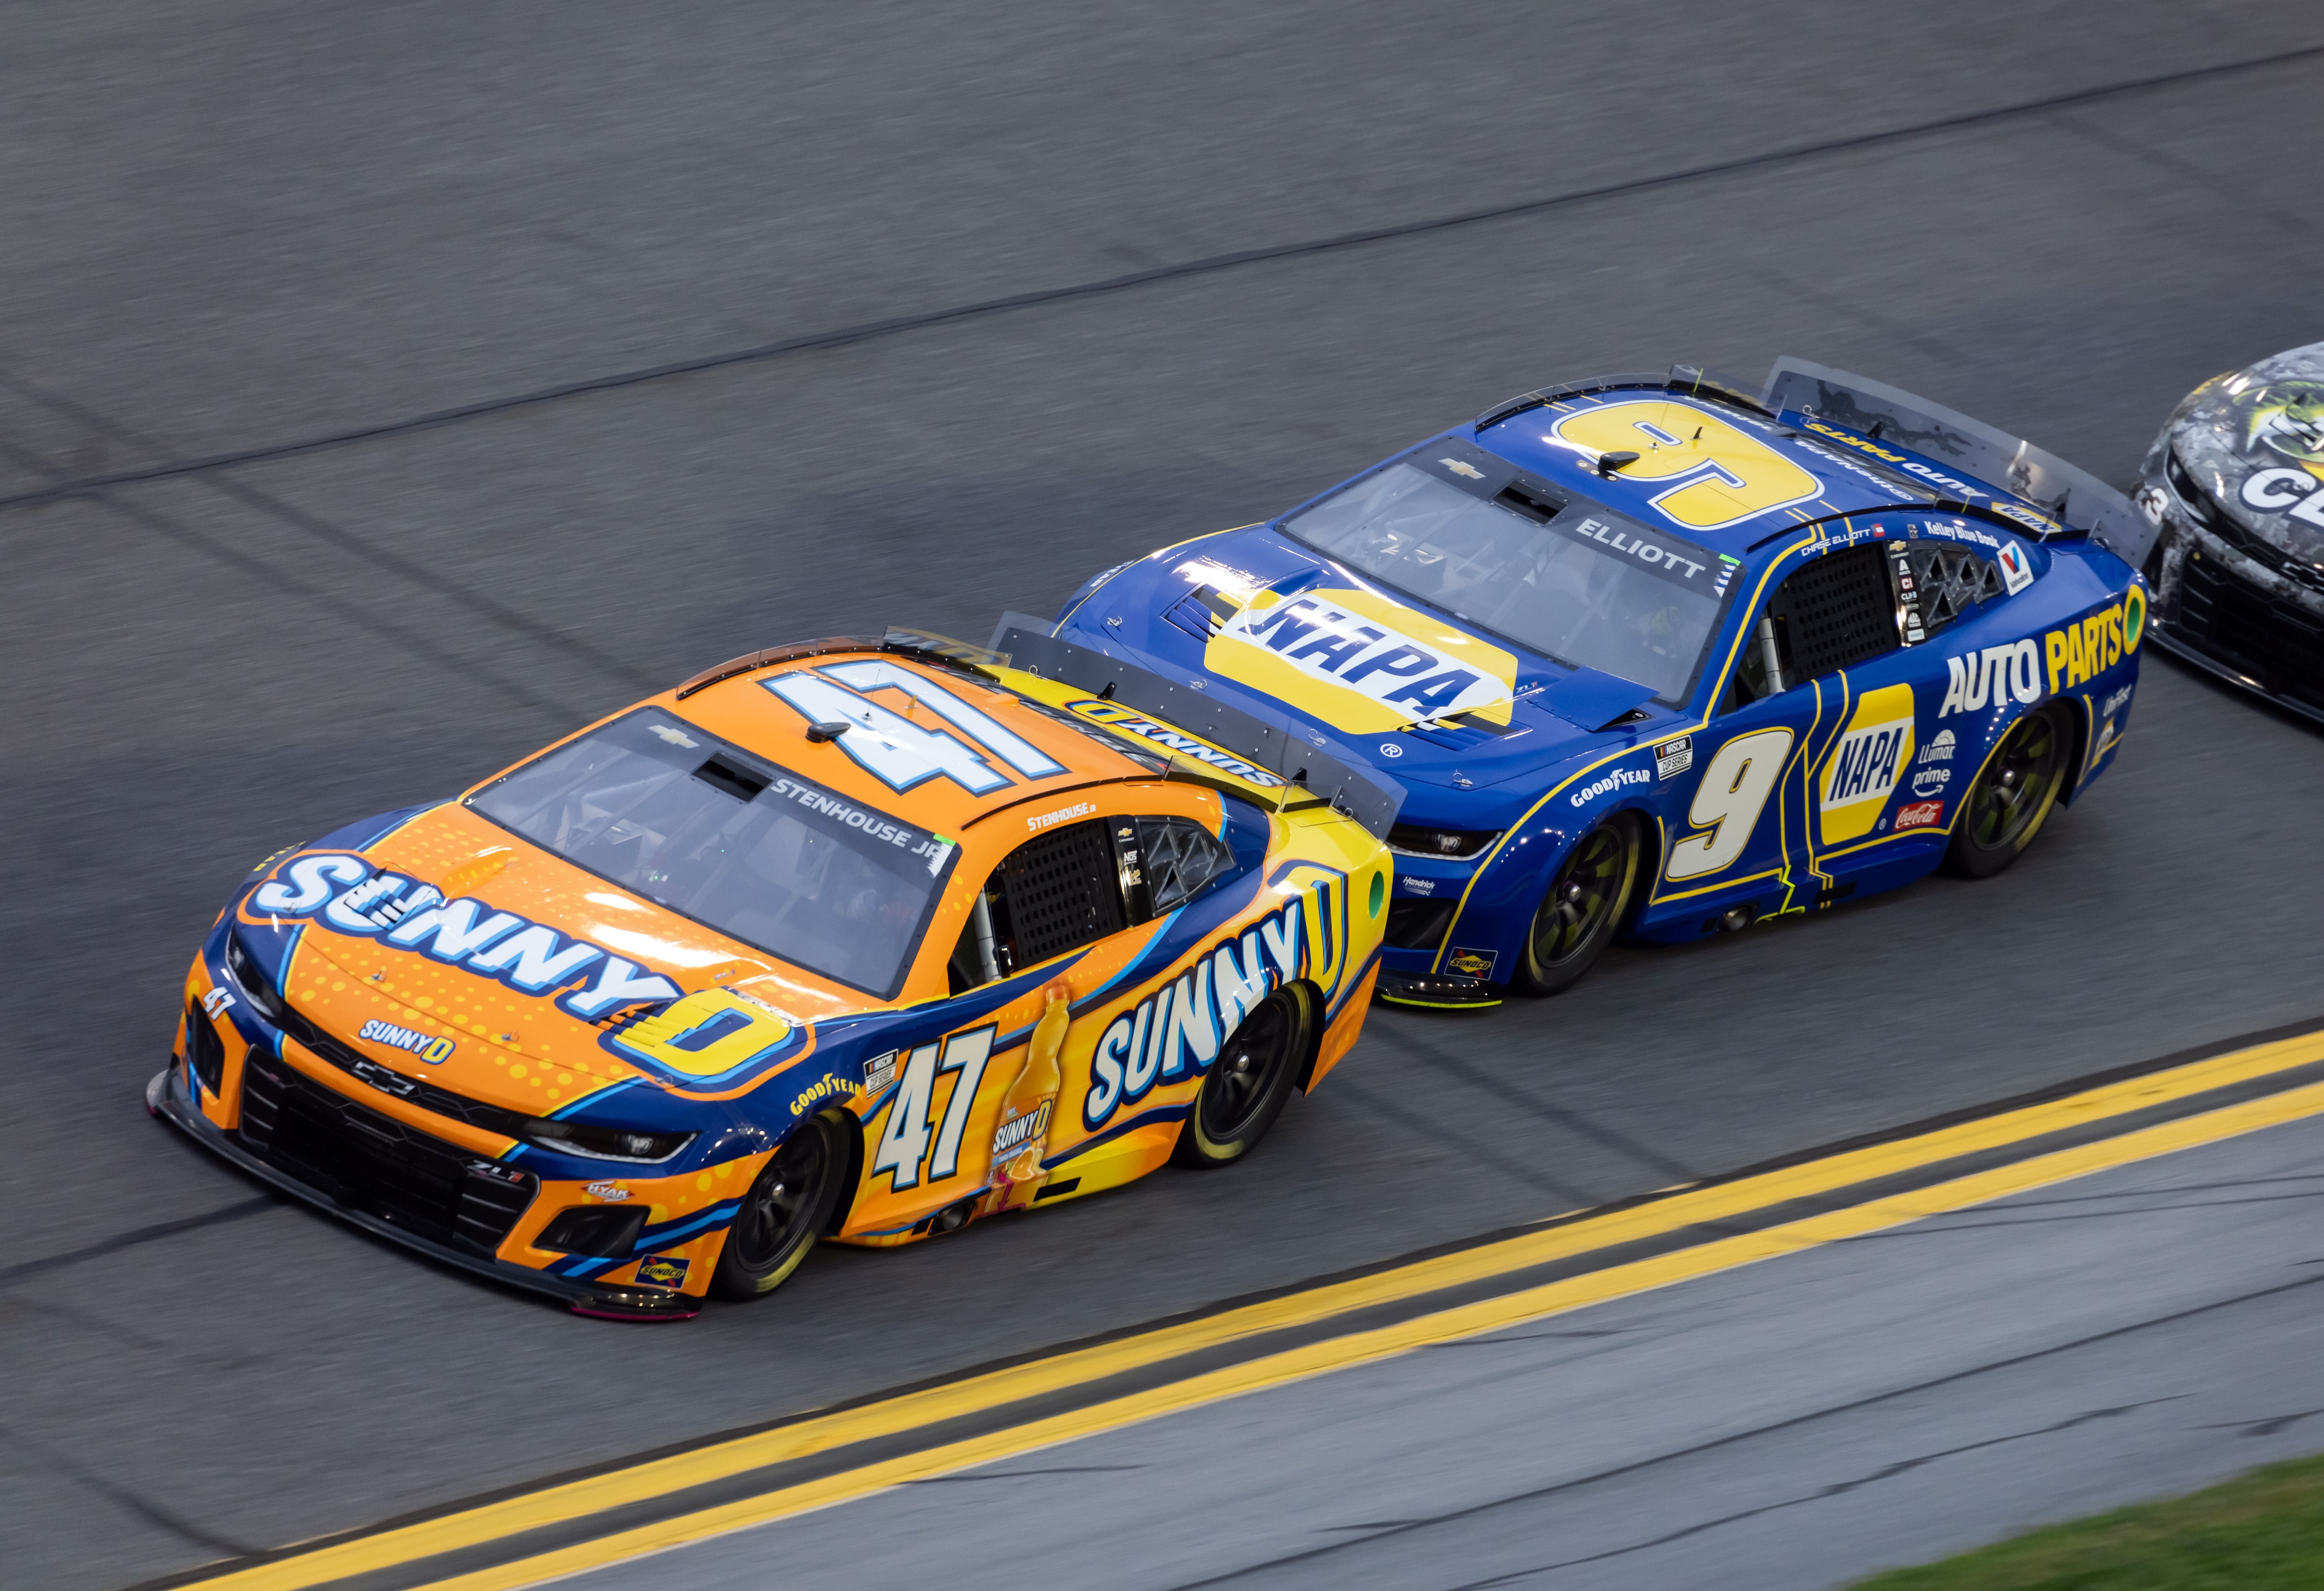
{"x": 574, "y": 1501}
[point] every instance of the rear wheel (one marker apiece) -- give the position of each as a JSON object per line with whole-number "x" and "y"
{"x": 789, "y": 1202}
{"x": 1248, "y": 1085}
{"x": 2012, "y": 797}
{"x": 1580, "y": 910}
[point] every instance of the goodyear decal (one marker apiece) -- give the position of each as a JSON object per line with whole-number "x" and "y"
{"x": 2080, "y": 652}
{"x": 1358, "y": 661}
{"x": 824, "y": 1089}
{"x": 1130, "y": 721}
{"x": 344, "y": 893}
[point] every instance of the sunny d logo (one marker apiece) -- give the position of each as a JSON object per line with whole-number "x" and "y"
{"x": 1860, "y": 774}
{"x": 1360, "y": 663}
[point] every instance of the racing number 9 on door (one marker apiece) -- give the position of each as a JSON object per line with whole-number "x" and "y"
{"x": 1727, "y": 802}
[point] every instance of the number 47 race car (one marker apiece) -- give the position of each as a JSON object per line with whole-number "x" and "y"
{"x": 1654, "y": 655}
{"x": 861, "y": 939}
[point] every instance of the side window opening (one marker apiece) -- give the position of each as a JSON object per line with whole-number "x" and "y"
{"x": 1949, "y": 581}
{"x": 1839, "y": 611}
{"x": 1078, "y": 883}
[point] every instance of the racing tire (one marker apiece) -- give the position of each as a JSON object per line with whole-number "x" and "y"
{"x": 789, "y": 1203}
{"x": 1585, "y": 902}
{"x": 2013, "y": 795}
{"x": 1247, "y": 1087}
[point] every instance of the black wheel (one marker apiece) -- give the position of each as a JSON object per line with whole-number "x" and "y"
{"x": 786, "y": 1208}
{"x": 2011, "y": 800}
{"x": 1246, "y": 1086}
{"x": 1579, "y": 911}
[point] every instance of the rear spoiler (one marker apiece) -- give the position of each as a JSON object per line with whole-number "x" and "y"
{"x": 2070, "y": 495}
{"x": 1296, "y": 757}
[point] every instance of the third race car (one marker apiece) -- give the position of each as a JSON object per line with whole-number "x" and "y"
{"x": 1654, "y": 655}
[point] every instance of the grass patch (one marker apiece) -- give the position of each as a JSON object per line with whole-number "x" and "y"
{"x": 2261, "y": 1532}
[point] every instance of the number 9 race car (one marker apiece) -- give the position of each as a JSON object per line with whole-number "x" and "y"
{"x": 1656, "y": 656}
{"x": 858, "y": 940}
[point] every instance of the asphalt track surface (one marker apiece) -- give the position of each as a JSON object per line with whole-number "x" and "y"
{"x": 867, "y": 313}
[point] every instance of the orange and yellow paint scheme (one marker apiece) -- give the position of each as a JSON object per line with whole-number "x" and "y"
{"x": 990, "y": 935}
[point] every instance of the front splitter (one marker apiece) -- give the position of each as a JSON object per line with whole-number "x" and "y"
{"x": 165, "y": 1098}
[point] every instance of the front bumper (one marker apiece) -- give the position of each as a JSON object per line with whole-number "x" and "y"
{"x": 1436, "y": 992}
{"x": 166, "y": 1096}
{"x": 2239, "y": 623}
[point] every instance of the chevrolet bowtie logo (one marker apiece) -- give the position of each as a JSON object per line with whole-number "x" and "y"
{"x": 1457, "y": 467}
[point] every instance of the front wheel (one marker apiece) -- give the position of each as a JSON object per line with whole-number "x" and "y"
{"x": 789, "y": 1202}
{"x": 1580, "y": 910}
{"x": 1247, "y": 1087}
{"x": 2012, "y": 797}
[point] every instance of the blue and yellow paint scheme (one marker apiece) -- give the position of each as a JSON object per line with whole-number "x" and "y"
{"x": 1748, "y": 805}
{"x": 436, "y": 1027}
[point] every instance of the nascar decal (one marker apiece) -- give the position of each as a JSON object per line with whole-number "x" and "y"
{"x": 1178, "y": 1029}
{"x": 1719, "y": 474}
{"x": 1360, "y": 663}
{"x": 1859, "y": 772}
{"x": 2080, "y": 652}
{"x": 1130, "y": 721}
{"x": 343, "y": 893}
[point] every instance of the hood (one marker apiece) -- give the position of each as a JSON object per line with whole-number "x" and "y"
{"x": 2253, "y": 443}
{"x": 517, "y": 979}
{"x": 1518, "y": 713}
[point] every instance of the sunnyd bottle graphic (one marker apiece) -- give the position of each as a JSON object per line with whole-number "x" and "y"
{"x": 1022, "y": 1132}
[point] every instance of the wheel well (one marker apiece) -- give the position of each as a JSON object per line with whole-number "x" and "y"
{"x": 1647, "y": 834}
{"x": 1315, "y": 1035}
{"x": 2077, "y": 714}
{"x": 851, "y": 1132}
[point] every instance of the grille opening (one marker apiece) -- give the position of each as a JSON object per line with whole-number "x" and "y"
{"x": 722, "y": 774}
{"x": 203, "y": 1050}
{"x": 1417, "y": 925}
{"x": 606, "y": 1231}
{"x": 2260, "y": 634}
{"x": 1455, "y": 843}
{"x": 373, "y": 1164}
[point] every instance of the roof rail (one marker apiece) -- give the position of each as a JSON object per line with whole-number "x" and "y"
{"x": 1371, "y": 799}
{"x": 2069, "y": 494}
{"x": 1694, "y": 381}
{"x": 772, "y": 655}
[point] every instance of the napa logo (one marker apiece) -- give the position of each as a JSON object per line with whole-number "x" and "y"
{"x": 1860, "y": 774}
{"x": 1174, "y": 1033}
{"x": 345, "y": 893}
{"x": 1360, "y": 663}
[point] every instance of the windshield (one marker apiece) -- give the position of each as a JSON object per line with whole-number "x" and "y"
{"x": 1582, "y": 584}
{"x": 671, "y": 812}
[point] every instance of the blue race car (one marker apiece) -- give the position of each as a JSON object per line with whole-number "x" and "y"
{"x": 1651, "y": 655}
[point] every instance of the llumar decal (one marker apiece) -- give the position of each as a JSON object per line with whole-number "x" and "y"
{"x": 343, "y": 893}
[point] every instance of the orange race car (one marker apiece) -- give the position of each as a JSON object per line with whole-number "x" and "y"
{"x": 858, "y": 940}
